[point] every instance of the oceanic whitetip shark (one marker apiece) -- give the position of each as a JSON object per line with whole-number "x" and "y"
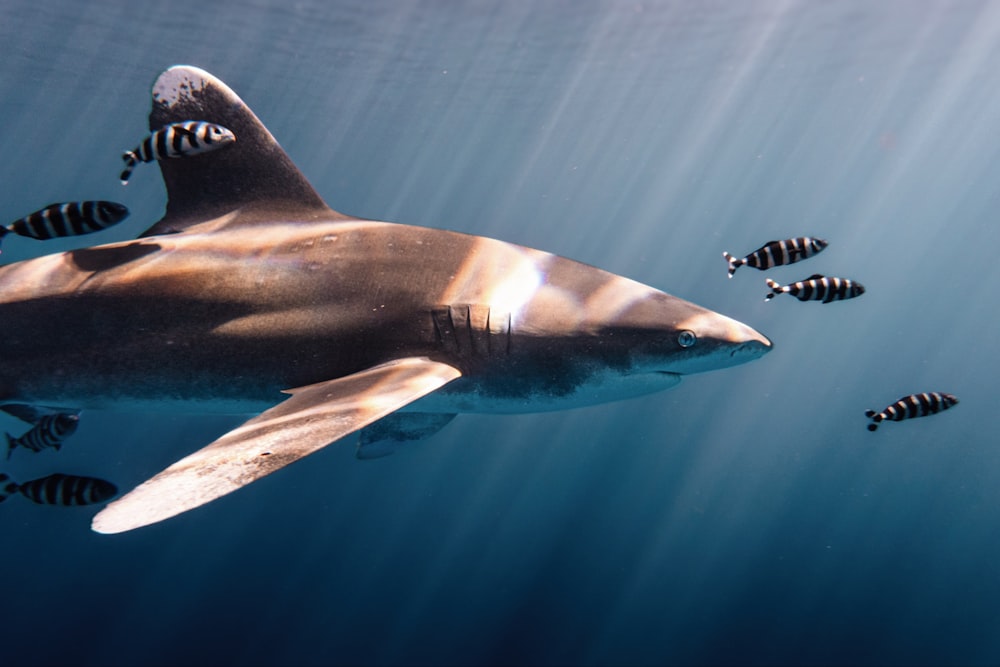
{"x": 251, "y": 286}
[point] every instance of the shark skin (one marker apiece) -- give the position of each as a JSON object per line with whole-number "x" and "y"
{"x": 251, "y": 286}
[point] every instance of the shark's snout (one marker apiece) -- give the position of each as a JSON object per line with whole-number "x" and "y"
{"x": 749, "y": 341}
{"x": 742, "y": 342}
{"x": 750, "y": 350}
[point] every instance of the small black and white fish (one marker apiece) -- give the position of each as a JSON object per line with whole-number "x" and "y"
{"x": 914, "y": 405}
{"x": 817, "y": 288}
{"x": 67, "y": 219}
{"x": 59, "y": 489}
{"x": 190, "y": 137}
{"x": 49, "y": 431}
{"x": 776, "y": 253}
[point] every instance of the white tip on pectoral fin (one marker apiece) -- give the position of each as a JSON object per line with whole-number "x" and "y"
{"x": 314, "y": 417}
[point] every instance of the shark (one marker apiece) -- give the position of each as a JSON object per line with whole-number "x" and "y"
{"x": 252, "y": 296}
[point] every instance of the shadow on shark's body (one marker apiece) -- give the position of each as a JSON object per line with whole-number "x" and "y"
{"x": 251, "y": 285}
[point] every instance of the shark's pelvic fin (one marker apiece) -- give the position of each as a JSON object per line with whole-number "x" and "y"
{"x": 381, "y": 438}
{"x": 314, "y": 417}
{"x": 252, "y": 176}
{"x": 32, "y": 414}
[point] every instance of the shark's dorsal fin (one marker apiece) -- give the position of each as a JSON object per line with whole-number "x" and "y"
{"x": 253, "y": 176}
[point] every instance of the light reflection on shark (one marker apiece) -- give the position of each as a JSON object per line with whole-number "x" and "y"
{"x": 251, "y": 285}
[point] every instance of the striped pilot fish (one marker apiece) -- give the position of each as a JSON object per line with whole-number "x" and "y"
{"x": 817, "y": 288}
{"x": 68, "y": 219}
{"x": 776, "y": 253}
{"x": 50, "y": 431}
{"x": 59, "y": 489}
{"x": 914, "y": 405}
{"x": 190, "y": 137}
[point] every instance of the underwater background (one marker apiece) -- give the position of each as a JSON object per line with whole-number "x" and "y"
{"x": 745, "y": 517}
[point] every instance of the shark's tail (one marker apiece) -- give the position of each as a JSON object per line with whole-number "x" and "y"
{"x": 7, "y": 487}
{"x": 734, "y": 263}
{"x": 775, "y": 289}
{"x": 131, "y": 160}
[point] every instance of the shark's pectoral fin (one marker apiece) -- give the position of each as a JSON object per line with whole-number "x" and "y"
{"x": 381, "y": 438}
{"x": 314, "y": 417}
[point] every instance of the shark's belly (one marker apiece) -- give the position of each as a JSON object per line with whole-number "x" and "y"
{"x": 176, "y": 364}
{"x": 470, "y": 395}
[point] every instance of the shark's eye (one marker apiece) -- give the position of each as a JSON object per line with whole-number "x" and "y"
{"x": 686, "y": 338}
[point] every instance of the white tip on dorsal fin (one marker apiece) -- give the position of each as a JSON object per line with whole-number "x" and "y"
{"x": 253, "y": 175}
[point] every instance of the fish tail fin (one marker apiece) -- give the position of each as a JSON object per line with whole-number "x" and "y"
{"x": 131, "y": 160}
{"x": 733, "y": 263}
{"x": 7, "y": 486}
{"x": 11, "y": 444}
{"x": 774, "y": 289}
{"x": 870, "y": 413}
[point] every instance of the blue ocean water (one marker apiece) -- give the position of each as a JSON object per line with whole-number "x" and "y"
{"x": 745, "y": 517}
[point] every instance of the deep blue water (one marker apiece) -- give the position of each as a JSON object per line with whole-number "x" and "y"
{"x": 744, "y": 517}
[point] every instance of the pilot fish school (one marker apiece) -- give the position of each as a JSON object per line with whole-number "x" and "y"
{"x": 185, "y": 139}
{"x": 821, "y": 288}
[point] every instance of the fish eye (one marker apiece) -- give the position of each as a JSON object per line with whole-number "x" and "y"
{"x": 686, "y": 338}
